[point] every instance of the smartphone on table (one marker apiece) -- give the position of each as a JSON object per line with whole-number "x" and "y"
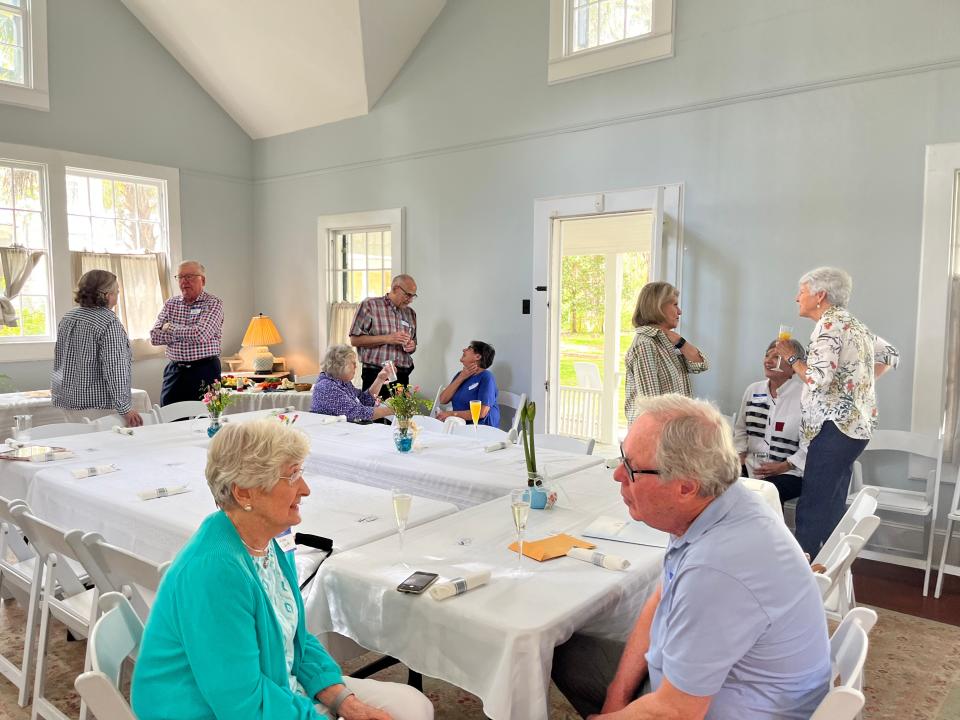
{"x": 418, "y": 582}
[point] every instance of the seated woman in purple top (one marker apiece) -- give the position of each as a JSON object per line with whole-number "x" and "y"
{"x": 335, "y": 394}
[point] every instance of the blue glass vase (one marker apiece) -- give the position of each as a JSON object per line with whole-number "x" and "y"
{"x": 214, "y": 427}
{"x": 403, "y": 437}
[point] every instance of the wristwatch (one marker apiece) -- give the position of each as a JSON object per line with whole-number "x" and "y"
{"x": 680, "y": 343}
{"x": 792, "y": 359}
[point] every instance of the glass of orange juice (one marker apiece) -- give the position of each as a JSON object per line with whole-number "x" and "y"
{"x": 475, "y": 406}
{"x": 785, "y": 333}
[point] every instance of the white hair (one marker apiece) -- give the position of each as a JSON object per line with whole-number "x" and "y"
{"x": 836, "y": 283}
{"x": 336, "y": 359}
{"x": 249, "y": 455}
{"x": 695, "y": 442}
{"x": 203, "y": 270}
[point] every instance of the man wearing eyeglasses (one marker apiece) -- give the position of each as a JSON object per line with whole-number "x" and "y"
{"x": 385, "y": 329}
{"x": 190, "y": 325}
{"x": 735, "y": 628}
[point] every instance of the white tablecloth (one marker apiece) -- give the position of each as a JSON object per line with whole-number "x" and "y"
{"x": 347, "y": 513}
{"x": 496, "y": 641}
{"x": 247, "y": 401}
{"x": 38, "y": 404}
{"x": 446, "y": 467}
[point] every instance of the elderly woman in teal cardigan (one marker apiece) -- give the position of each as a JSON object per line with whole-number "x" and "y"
{"x": 226, "y": 636}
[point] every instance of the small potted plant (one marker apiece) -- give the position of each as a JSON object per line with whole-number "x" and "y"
{"x": 406, "y": 402}
{"x": 216, "y": 398}
{"x": 539, "y": 496}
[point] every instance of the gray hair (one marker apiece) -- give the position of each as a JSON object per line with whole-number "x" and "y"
{"x": 402, "y": 277}
{"x": 836, "y": 283}
{"x": 203, "y": 270}
{"x": 798, "y": 349}
{"x": 92, "y": 288}
{"x": 695, "y": 442}
{"x": 336, "y": 359}
{"x": 249, "y": 455}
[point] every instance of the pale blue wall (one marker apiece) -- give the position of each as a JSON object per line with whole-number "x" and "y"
{"x": 797, "y": 129}
{"x": 114, "y": 91}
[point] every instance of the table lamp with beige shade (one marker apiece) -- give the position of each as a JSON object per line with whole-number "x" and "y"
{"x": 261, "y": 332}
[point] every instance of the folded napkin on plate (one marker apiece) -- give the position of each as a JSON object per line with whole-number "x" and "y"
{"x": 85, "y": 472}
{"x": 610, "y": 562}
{"x": 551, "y": 547}
{"x": 51, "y": 455}
{"x": 497, "y": 446}
{"x": 14, "y": 444}
{"x": 331, "y": 419}
{"x": 162, "y": 492}
{"x": 120, "y": 430}
{"x": 459, "y": 585}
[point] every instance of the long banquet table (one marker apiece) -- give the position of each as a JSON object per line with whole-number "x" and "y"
{"x": 495, "y": 641}
{"x": 38, "y": 404}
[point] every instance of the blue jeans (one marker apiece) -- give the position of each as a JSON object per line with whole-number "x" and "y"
{"x": 826, "y": 482}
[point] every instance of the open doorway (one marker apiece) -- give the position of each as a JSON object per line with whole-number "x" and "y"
{"x": 604, "y": 261}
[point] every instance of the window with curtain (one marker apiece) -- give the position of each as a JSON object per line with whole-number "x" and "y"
{"x": 118, "y": 223}
{"x": 952, "y": 386}
{"x": 26, "y": 311}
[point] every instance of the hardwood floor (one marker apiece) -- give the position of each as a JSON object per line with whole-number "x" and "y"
{"x": 900, "y": 588}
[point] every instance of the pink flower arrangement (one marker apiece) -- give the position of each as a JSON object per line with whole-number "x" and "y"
{"x": 216, "y": 398}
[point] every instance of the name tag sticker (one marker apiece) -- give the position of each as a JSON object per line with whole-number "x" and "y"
{"x": 285, "y": 541}
{"x": 196, "y": 311}
{"x": 759, "y": 395}
{"x": 778, "y": 426}
{"x": 474, "y": 386}
{"x": 405, "y": 323}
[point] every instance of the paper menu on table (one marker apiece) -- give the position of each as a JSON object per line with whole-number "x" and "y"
{"x": 631, "y": 531}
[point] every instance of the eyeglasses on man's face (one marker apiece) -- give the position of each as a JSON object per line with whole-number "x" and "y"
{"x": 408, "y": 295}
{"x": 294, "y": 477}
{"x": 187, "y": 276}
{"x": 633, "y": 473}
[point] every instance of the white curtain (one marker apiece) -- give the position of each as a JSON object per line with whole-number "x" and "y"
{"x": 952, "y": 390}
{"x": 341, "y": 318}
{"x": 142, "y": 290}
{"x": 16, "y": 263}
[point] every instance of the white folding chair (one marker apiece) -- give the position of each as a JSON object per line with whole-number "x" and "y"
{"x": 64, "y": 598}
{"x": 428, "y": 424}
{"x": 856, "y": 521}
{"x": 588, "y": 375}
{"x": 483, "y": 432}
{"x": 21, "y": 575}
{"x": 108, "y": 422}
{"x": 564, "y": 443}
{"x": 60, "y": 429}
{"x": 837, "y": 598}
{"x": 908, "y": 502}
{"x": 848, "y": 655}
{"x": 506, "y": 399}
{"x": 179, "y": 410}
{"x": 453, "y": 422}
{"x": 115, "y": 637}
{"x": 952, "y": 516}
{"x": 436, "y": 407}
{"x": 114, "y": 569}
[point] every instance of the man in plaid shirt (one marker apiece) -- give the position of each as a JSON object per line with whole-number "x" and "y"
{"x": 190, "y": 326}
{"x": 385, "y": 328}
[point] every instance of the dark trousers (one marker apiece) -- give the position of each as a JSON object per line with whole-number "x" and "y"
{"x": 826, "y": 482}
{"x": 583, "y": 668}
{"x": 188, "y": 380}
{"x": 788, "y": 486}
{"x": 368, "y": 376}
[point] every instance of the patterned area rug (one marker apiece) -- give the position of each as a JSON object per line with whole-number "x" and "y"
{"x": 913, "y": 673}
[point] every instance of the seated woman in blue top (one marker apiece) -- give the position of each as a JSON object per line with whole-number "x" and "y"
{"x": 226, "y": 637}
{"x": 335, "y": 394}
{"x": 473, "y": 382}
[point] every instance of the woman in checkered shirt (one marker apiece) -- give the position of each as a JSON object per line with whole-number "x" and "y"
{"x": 659, "y": 361}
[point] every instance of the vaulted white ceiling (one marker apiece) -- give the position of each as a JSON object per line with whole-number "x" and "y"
{"x": 277, "y": 67}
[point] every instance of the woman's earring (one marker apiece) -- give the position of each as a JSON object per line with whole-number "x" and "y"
{"x": 247, "y": 508}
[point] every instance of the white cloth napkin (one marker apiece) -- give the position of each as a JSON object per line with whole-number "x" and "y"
{"x": 162, "y": 492}
{"x": 85, "y": 472}
{"x": 14, "y": 444}
{"x": 503, "y": 445}
{"x": 51, "y": 455}
{"x": 120, "y": 430}
{"x": 460, "y": 585}
{"x": 610, "y": 562}
{"x": 331, "y": 419}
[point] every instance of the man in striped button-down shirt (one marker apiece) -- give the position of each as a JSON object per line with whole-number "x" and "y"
{"x": 190, "y": 326}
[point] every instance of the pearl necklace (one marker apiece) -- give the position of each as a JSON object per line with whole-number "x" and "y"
{"x": 265, "y": 559}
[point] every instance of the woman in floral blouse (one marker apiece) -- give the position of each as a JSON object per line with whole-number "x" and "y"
{"x": 659, "y": 361}
{"x": 838, "y": 405}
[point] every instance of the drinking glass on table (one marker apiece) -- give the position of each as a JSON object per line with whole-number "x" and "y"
{"x": 21, "y": 426}
{"x": 475, "y": 406}
{"x": 785, "y": 333}
{"x": 401, "y": 511}
{"x": 520, "y": 508}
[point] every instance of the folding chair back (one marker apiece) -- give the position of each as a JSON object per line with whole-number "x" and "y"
{"x": 863, "y": 505}
{"x": 453, "y": 422}
{"x": 61, "y": 429}
{"x": 428, "y": 423}
{"x": 506, "y": 399}
{"x": 565, "y": 443}
{"x": 180, "y": 410}
{"x": 436, "y": 408}
{"x": 108, "y": 422}
{"x": 482, "y": 432}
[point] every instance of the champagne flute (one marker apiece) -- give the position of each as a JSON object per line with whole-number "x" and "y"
{"x": 401, "y": 511}
{"x": 785, "y": 333}
{"x": 520, "y": 508}
{"x": 475, "y": 406}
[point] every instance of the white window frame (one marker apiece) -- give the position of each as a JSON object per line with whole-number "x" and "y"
{"x": 327, "y": 227}
{"x": 35, "y": 92}
{"x": 564, "y": 65}
{"x": 59, "y": 265}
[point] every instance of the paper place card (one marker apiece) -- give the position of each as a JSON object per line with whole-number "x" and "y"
{"x": 162, "y": 492}
{"x": 459, "y": 585}
{"x": 85, "y": 472}
{"x": 610, "y": 562}
{"x": 551, "y": 547}
{"x": 120, "y": 430}
{"x": 628, "y": 531}
{"x": 51, "y": 455}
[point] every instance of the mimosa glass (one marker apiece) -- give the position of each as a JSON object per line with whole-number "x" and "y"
{"x": 520, "y": 509}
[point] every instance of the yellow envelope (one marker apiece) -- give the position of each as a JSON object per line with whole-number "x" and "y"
{"x": 551, "y": 547}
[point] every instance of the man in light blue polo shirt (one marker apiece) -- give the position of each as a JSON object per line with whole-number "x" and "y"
{"x": 736, "y": 628}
